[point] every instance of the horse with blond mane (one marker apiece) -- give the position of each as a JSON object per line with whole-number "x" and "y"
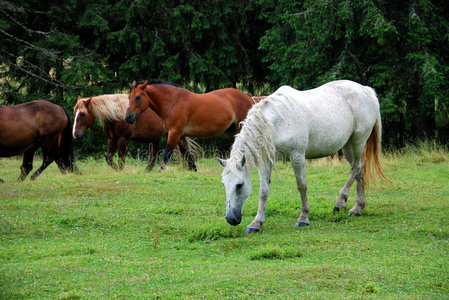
{"x": 111, "y": 110}
{"x": 304, "y": 125}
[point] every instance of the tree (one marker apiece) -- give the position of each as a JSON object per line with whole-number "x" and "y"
{"x": 399, "y": 48}
{"x": 42, "y": 55}
{"x": 58, "y": 50}
{"x": 203, "y": 45}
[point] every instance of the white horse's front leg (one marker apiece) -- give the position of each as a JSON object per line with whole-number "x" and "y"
{"x": 298, "y": 162}
{"x": 263, "y": 196}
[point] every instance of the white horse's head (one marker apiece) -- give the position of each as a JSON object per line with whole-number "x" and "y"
{"x": 237, "y": 182}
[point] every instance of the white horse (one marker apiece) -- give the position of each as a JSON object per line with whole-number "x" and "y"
{"x": 304, "y": 125}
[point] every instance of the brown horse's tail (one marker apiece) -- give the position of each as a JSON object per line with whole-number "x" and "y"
{"x": 66, "y": 157}
{"x": 371, "y": 154}
{"x": 194, "y": 148}
{"x": 194, "y": 151}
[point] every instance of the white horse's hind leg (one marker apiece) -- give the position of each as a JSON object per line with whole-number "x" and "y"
{"x": 360, "y": 198}
{"x": 299, "y": 166}
{"x": 358, "y": 166}
{"x": 344, "y": 192}
{"x": 265, "y": 175}
{"x": 355, "y": 158}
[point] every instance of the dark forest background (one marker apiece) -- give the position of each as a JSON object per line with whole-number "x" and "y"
{"x": 57, "y": 50}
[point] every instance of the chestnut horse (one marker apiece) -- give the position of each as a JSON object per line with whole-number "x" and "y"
{"x": 26, "y": 127}
{"x": 185, "y": 113}
{"x": 110, "y": 110}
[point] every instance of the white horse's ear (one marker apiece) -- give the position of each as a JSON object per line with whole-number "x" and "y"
{"x": 242, "y": 162}
{"x": 222, "y": 162}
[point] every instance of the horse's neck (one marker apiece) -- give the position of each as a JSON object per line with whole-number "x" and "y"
{"x": 256, "y": 141}
{"x": 161, "y": 95}
{"x": 92, "y": 108}
{"x": 107, "y": 109}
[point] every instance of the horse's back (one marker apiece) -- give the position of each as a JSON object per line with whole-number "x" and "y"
{"x": 22, "y": 125}
{"x": 212, "y": 113}
{"x": 362, "y": 101}
{"x": 240, "y": 101}
{"x": 320, "y": 121}
{"x": 50, "y": 117}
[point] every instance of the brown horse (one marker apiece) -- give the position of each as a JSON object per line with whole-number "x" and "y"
{"x": 110, "y": 110}
{"x": 26, "y": 127}
{"x": 188, "y": 114}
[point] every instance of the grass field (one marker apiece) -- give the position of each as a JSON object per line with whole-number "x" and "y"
{"x": 105, "y": 234}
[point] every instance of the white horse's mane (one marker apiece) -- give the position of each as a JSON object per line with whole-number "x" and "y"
{"x": 255, "y": 140}
{"x": 108, "y": 107}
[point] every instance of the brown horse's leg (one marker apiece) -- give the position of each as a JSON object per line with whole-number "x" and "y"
{"x": 167, "y": 154}
{"x": 186, "y": 154}
{"x": 122, "y": 146}
{"x": 47, "y": 160}
{"x": 172, "y": 140}
{"x": 154, "y": 149}
{"x": 27, "y": 163}
{"x": 112, "y": 148}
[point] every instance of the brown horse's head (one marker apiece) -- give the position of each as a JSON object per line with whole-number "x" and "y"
{"x": 139, "y": 100}
{"x": 83, "y": 117}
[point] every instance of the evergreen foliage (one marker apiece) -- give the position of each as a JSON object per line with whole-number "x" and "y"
{"x": 58, "y": 50}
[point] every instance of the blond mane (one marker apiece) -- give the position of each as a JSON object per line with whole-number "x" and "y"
{"x": 106, "y": 107}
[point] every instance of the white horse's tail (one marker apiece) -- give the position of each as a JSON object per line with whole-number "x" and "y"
{"x": 371, "y": 154}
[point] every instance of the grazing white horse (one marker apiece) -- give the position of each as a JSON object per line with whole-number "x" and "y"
{"x": 304, "y": 125}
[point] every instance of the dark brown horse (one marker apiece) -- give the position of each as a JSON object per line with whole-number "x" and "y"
{"x": 26, "y": 127}
{"x": 110, "y": 110}
{"x": 188, "y": 114}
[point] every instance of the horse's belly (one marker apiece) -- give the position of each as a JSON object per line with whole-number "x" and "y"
{"x": 319, "y": 152}
{"x": 328, "y": 139}
{"x": 10, "y": 151}
{"x": 201, "y": 132}
{"x": 207, "y": 129}
{"x": 15, "y": 142}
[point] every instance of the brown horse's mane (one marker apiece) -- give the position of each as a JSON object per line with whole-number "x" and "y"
{"x": 159, "y": 81}
{"x": 106, "y": 107}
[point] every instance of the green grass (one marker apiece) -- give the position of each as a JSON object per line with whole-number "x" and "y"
{"x": 106, "y": 234}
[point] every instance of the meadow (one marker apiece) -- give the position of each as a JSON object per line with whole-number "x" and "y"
{"x": 130, "y": 234}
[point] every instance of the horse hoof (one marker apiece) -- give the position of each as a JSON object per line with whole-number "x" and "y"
{"x": 355, "y": 214}
{"x": 336, "y": 210}
{"x": 301, "y": 224}
{"x": 251, "y": 230}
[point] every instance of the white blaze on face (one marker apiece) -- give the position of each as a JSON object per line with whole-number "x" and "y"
{"x": 74, "y": 123}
